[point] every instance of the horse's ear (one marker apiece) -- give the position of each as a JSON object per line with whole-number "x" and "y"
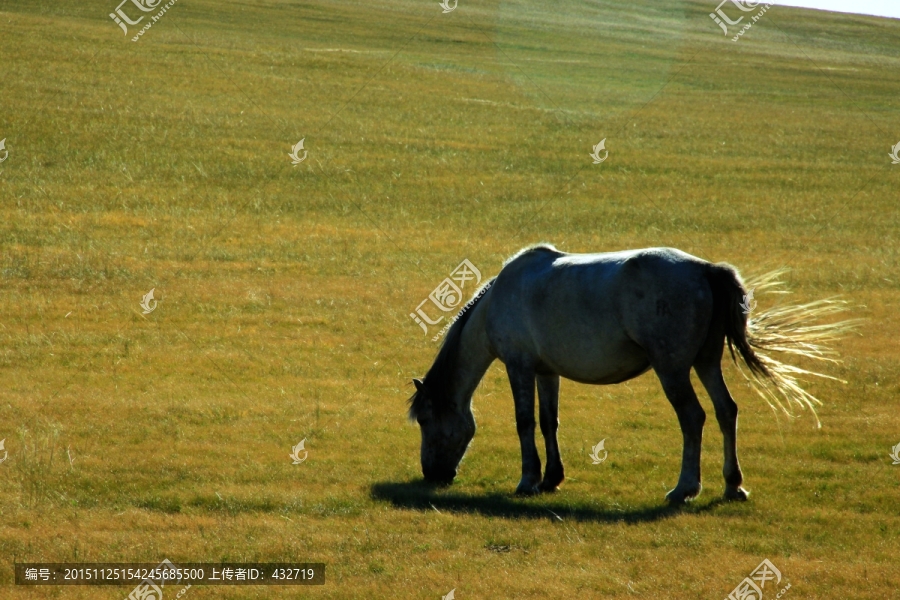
{"x": 418, "y": 403}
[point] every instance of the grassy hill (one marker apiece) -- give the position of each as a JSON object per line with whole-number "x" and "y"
{"x": 284, "y": 292}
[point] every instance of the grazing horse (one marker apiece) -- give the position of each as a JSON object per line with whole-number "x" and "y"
{"x": 603, "y": 319}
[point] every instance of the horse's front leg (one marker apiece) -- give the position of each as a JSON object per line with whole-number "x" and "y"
{"x": 521, "y": 379}
{"x": 548, "y": 396}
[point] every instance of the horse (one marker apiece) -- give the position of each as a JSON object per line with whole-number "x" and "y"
{"x": 603, "y": 319}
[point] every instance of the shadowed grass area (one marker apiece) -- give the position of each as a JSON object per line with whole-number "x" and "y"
{"x": 422, "y": 496}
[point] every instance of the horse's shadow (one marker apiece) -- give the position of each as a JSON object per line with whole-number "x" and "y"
{"x": 419, "y": 495}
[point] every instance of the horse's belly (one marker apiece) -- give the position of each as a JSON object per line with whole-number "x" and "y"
{"x": 596, "y": 363}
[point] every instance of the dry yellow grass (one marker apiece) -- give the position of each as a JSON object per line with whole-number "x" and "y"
{"x": 284, "y": 292}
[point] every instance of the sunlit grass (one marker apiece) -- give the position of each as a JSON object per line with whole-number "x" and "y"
{"x": 285, "y": 292}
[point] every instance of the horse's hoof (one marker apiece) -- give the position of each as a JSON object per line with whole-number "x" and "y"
{"x": 675, "y": 499}
{"x": 678, "y": 496}
{"x": 527, "y": 489}
{"x": 548, "y": 487}
{"x": 736, "y": 494}
{"x": 551, "y": 484}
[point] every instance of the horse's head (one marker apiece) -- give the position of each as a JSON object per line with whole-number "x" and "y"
{"x": 446, "y": 433}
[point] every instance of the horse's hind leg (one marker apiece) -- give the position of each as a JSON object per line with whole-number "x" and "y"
{"x": 680, "y": 392}
{"x": 709, "y": 369}
{"x": 548, "y": 395}
{"x": 521, "y": 379}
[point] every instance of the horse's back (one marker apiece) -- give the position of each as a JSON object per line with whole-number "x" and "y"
{"x": 600, "y": 318}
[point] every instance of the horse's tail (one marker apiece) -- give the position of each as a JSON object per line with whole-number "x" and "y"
{"x": 791, "y": 329}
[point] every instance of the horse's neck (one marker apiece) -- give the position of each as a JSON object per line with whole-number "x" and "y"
{"x": 473, "y": 359}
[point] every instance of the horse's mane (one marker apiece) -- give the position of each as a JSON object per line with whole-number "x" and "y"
{"x": 532, "y": 248}
{"x": 439, "y": 379}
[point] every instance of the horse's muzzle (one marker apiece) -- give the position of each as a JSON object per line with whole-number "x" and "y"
{"x": 439, "y": 476}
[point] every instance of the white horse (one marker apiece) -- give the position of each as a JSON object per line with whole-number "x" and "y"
{"x": 607, "y": 318}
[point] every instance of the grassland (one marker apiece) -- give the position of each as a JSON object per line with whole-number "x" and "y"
{"x": 285, "y": 292}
